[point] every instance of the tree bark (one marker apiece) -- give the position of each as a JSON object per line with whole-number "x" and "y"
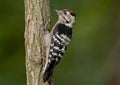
{"x": 37, "y": 18}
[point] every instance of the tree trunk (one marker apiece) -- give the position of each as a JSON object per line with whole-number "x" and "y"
{"x": 37, "y": 18}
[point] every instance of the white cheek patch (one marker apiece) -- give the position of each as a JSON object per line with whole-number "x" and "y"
{"x": 68, "y": 18}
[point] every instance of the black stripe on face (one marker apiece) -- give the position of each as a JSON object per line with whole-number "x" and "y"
{"x": 66, "y": 20}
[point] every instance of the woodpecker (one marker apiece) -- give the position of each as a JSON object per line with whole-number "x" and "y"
{"x": 61, "y": 35}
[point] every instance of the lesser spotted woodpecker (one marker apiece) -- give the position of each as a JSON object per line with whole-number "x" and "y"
{"x": 60, "y": 37}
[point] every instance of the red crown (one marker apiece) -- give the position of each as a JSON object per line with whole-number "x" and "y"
{"x": 71, "y": 12}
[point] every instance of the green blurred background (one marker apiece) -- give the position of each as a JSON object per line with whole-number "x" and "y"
{"x": 94, "y": 52}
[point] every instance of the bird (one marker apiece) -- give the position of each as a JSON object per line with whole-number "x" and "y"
{"x": 61, "y": 35}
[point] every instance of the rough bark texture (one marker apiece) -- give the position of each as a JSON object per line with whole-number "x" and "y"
{"x": 36, "y": 22}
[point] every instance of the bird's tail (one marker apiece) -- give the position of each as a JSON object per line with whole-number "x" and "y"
{"x": 48, "y": 72}
{"x": 47, "y": 75}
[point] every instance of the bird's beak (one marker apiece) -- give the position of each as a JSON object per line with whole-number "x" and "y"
{"x": 58, "y": 12}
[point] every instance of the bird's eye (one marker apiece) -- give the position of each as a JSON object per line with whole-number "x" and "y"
{"x": 65, "y": 13}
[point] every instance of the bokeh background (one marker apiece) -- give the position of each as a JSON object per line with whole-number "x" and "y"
{"x": 93, "y": 57}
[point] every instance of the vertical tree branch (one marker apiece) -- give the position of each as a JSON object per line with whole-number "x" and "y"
{"x": 37, "y": 15}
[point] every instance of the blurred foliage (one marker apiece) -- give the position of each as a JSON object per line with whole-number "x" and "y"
{"x": 87, "y": 59}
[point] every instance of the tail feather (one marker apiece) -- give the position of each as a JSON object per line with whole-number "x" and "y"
{"x": 47, "y": 76}
{"x": 48, "y": 72}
